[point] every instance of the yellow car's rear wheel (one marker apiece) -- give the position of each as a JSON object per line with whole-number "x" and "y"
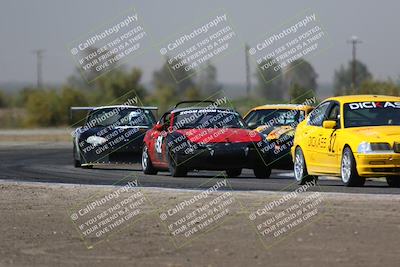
{"x": 300, "y": 168}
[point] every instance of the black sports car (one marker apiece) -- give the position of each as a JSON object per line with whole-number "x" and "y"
{"x": 111, "y": 134}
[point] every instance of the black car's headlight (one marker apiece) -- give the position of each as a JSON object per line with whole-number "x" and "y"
{"x": 96, "y": 140}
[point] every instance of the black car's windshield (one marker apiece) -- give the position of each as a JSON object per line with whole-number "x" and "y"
{"x": 120, "y": 116}
{"x": 274, "y": 117}
{"x": 360, "y": 114}
{"x": 206, "y": 118}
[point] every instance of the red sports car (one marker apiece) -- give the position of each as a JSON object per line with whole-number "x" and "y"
{"x": 202, "y": 138}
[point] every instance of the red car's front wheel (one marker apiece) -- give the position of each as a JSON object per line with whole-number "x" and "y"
{"x": 147, "y": 165}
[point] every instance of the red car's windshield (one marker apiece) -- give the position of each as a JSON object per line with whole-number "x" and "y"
{"x": 205, "y": 118}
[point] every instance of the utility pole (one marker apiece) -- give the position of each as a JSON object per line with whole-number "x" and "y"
{"x": 354, "y": 41}
{"x": 248, "y": 81}
{"x": 39, "y": 57}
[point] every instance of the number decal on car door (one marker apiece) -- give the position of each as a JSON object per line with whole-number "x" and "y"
{"x": 332, "y": 143}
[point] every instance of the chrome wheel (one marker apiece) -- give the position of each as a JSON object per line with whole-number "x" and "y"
{"x": 346, "y": 167}
{"x": 299, "y": 165}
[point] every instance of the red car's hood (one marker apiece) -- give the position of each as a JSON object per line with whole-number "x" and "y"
{"x": 220, "y": 135}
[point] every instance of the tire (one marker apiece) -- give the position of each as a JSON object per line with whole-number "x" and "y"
{"x": 348, "y": 169}
{"x": 262, "y": 172}
{"x": 393, "y": 181}
{"x": 176, "y": 169}
{"x": 232, "y": 173}
{"x": 300, "y": 168}
{"x": 77, "y": 162}
{"x": 147, "y": 165}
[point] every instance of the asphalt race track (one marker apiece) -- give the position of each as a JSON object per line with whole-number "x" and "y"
{"x": 53, "y": 164}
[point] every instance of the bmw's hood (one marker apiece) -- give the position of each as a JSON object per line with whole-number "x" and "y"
{"x": 387, "y": 134}
{"x": 220, "y": 135}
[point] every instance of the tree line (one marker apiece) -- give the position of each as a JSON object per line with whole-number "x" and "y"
{"x": 38, "y": 107}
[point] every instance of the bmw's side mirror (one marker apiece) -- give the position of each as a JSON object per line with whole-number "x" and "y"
{"x": 329, "y": 124}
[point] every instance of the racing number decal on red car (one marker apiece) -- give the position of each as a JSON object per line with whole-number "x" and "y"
{"x": 158, "y": 144}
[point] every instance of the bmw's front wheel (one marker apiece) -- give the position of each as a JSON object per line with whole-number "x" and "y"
{"x": 348, "y": 169}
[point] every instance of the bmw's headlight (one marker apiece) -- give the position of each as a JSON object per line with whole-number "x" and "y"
{"x": 364, "y": 147}
{"x": 96, "y": 140}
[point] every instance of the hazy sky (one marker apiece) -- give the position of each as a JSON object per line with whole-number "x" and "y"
{"x": 51, "y": 25}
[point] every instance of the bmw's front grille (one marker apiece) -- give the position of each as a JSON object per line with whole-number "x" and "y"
{"x": 380, "y": 146}
{"x": 395, "y": 170}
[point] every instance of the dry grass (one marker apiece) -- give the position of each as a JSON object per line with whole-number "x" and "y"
{"x": 34, "y": 135}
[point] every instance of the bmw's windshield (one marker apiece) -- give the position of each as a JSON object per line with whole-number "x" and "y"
{"x": 120, "y": 117}
{"x": 206, "y": 118}
{"x": 361, "y": 114}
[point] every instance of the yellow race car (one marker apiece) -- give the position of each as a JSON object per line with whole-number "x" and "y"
{"x": 277, "y": 124}
{"x": 352, "y": 137}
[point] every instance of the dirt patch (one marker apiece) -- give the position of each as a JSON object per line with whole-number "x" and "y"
{"x": 356, "y": 230}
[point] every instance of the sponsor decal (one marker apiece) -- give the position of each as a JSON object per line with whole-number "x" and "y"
{"x": 370, "y": 105}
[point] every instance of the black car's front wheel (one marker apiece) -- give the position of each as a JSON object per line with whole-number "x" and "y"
{"x": 147, "y": 165}
{"x": 77, "y": 162}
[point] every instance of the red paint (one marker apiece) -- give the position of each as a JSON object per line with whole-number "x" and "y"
{"x": 220, "y": 135}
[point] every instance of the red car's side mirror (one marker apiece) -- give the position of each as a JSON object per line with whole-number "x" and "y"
{"x": 158, "y": 127}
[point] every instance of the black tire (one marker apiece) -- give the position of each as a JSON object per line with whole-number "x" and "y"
{"x": 232, "y": 173}
{"x": 175, "y": 168}
{"x": 348, "y": 169}
{"x": 393, "y": 181}
{"x": 77, "y": 162}
{"x": 262, "y": 171}
{"x": 300, "y": 168}
{"x": 147, "y": 165}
